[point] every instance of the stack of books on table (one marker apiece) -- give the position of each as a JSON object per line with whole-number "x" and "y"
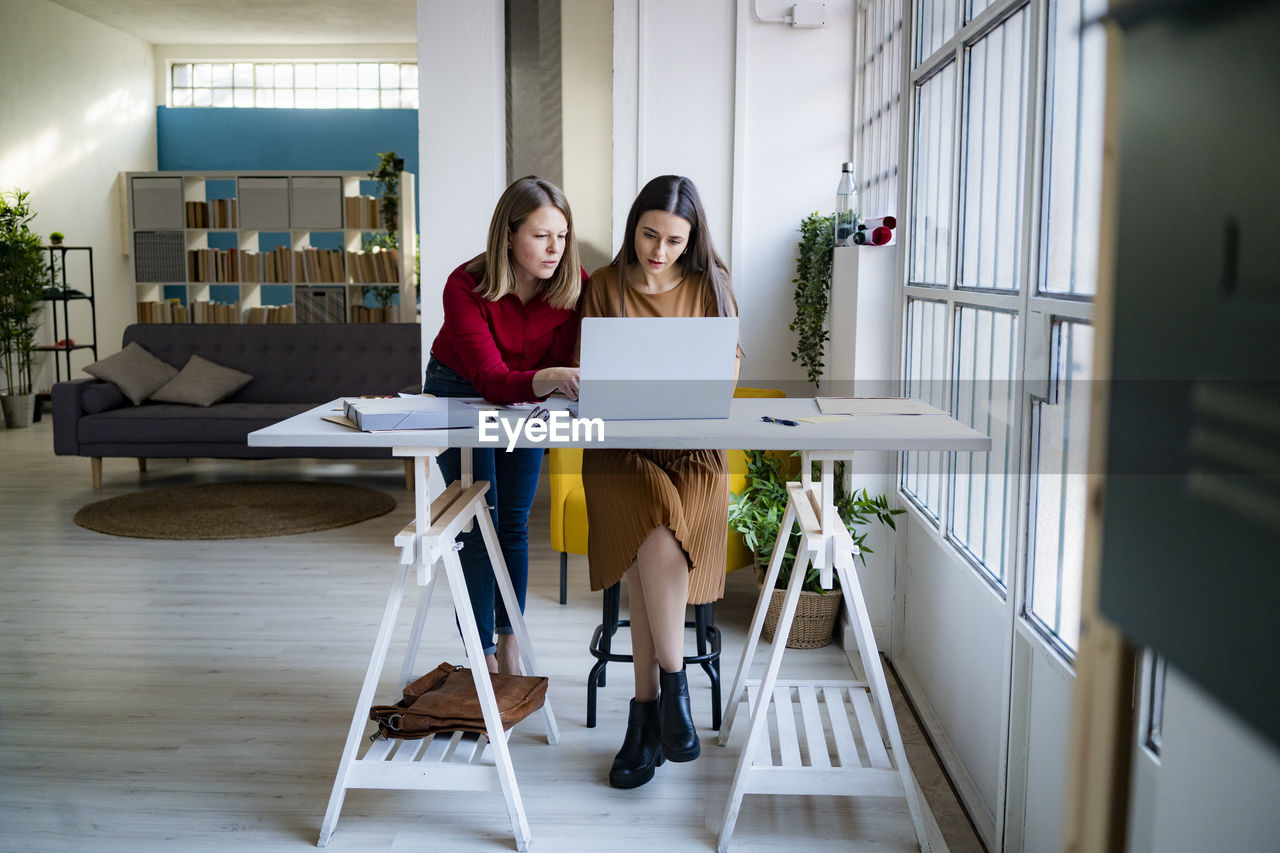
{"x": 418, "y": 411}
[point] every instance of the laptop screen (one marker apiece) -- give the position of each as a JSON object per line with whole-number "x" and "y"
{"x": 642, "y": 368}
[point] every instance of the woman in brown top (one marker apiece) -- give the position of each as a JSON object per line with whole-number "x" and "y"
{"x": 659, "y": 518}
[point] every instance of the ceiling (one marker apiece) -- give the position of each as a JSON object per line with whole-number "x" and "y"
{"x": 256, "y": 21}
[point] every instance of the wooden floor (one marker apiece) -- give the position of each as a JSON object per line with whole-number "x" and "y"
{"x": 190, "y": 696}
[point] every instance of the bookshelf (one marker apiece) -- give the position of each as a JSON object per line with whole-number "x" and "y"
{"x": 259, "y": 246}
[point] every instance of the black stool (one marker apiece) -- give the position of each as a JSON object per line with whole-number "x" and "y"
{"x": 705, "y": 632}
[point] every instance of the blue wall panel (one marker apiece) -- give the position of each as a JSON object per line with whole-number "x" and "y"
{"x": 200, "y": 139}
{"x": 194, "y": 138}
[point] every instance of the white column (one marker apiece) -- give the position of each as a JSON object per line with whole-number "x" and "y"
{"x": 461, "y": 138}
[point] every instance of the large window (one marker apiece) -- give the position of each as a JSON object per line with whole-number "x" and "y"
{"x": 302, "y": 85}
{"x": 1003, "y": 122}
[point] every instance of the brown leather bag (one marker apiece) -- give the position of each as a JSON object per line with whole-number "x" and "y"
{"x": 444, "y": 700}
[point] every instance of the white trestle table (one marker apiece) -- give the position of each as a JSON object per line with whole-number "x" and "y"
{"x": 858, "y": 712}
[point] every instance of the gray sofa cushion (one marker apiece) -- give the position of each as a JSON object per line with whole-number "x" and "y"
{"x": 134, "y": 371}
{"x": 202, "y": 383}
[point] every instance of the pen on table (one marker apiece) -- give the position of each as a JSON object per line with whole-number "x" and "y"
{"x": 782, "y": 421}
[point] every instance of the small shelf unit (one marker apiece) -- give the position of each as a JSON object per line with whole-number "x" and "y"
{"x": 254, "y": 241}
{"x": 65, "y": 290}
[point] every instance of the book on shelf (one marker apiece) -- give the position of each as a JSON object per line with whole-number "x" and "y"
{"x": 163, "y": 311}
{"x": 273, "y": 267}
{"x": 320, "y": 266}
{"x": 418, "y": 411}
{"x": 216, "y": 265}
{"x": 361, "y": 314}
{"x": 269, "y": 314}
{"x": 380, "y": 266}
{"x": 204, "y": 311}
{"x": 214, "y": 213}
{"x": 361, "y": 211}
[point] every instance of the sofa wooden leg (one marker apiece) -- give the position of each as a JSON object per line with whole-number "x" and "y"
{"x": 142, "y": 465}
{"x": 95, "y": 466}
{"x": 408, "y": 474}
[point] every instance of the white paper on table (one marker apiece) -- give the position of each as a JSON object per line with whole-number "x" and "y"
{"x": 875, "y": 406}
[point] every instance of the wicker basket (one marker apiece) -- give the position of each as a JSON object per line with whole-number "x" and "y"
{"x": 815, "y": 618}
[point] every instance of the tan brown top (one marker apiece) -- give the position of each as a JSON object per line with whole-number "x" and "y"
{"x": 602, "y": 297}
{"x": 630, "y": 492}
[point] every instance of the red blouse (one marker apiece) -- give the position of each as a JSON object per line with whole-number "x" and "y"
{"x": 499, "y": 346}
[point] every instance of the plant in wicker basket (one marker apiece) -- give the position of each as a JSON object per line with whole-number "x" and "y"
{"x": 756, "y": 513}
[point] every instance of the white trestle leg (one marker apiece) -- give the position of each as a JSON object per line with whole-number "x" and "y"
{"x": 860, "y": 764}
{"x": 447, "y": 761}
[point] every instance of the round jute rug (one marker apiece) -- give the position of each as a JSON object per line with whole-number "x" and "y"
{"x": 241, "y": 510}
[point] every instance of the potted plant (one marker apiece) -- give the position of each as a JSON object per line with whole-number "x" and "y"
{"x": 56, "y": 238}
{"x": 23, "y": 277}
{"x": 757, "y": 514}
{"x": 387, "y": 174}
{"x": 382, "y": 294}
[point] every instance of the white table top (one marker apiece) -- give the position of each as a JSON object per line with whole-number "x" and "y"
{"x": 743, "y": 429}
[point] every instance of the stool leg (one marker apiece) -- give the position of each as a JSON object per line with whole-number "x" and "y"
{"x": 593, "y": 679}
{"x": 564, "y": 577}
{"x": 601, "y": 646}
{"x": 704, "y": 634}
{"x": 609, "y": 607}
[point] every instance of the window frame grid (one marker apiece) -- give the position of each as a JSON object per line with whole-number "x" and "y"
{"x": 999, "y": 581}
{"x": 254, "y": 92}
{"x": 1018, "y": 302}
{"x": 928, "y": 296}
{"x": 1026, "y": 609}
{"x": 1024, "y": 199}
{"x": 879, "y": 76}
{"x": 939, "y": 68}
{"x": 1043, "y": 162}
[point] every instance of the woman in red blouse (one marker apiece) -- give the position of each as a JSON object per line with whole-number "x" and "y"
{"x": 509, "y": 334}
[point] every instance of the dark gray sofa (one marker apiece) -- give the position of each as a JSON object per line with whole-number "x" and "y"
{"x": 295, "y": 367}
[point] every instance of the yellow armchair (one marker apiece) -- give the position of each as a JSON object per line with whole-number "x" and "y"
{"x": 569, "y": 502}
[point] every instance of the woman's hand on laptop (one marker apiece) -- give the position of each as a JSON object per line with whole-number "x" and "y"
{"x": 551, "y": 379}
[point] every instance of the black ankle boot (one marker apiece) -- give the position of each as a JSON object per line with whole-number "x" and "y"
{"x": 640, "y": 753}
{"x": 679, "y": 737}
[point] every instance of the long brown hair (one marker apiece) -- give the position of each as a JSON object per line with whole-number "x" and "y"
{"x": 677, "y": 194}
{"x": 493, "y": 271}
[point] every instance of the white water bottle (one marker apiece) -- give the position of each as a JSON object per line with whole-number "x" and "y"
{"x": 846, "y": 206}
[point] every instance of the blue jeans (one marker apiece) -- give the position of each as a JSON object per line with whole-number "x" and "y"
{"x": 513, "y": 480}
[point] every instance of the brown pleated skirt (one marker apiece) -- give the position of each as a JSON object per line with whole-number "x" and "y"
{"x": 630, "y": 492}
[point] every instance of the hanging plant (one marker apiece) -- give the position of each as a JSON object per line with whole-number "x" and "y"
{"x": 813, "y": 293}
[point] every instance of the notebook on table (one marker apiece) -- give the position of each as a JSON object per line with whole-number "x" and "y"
{"x": 648, "y": 368}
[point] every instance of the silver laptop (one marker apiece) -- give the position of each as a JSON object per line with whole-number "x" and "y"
{"x": 645, "y": 368}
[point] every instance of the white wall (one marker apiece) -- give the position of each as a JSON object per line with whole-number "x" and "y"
{"x": 461, "y": 139}
{"x": 79, "y": 108}
{"x": 759, "y": 116}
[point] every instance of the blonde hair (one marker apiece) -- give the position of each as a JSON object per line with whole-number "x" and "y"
{"x": 493, "y": 271}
